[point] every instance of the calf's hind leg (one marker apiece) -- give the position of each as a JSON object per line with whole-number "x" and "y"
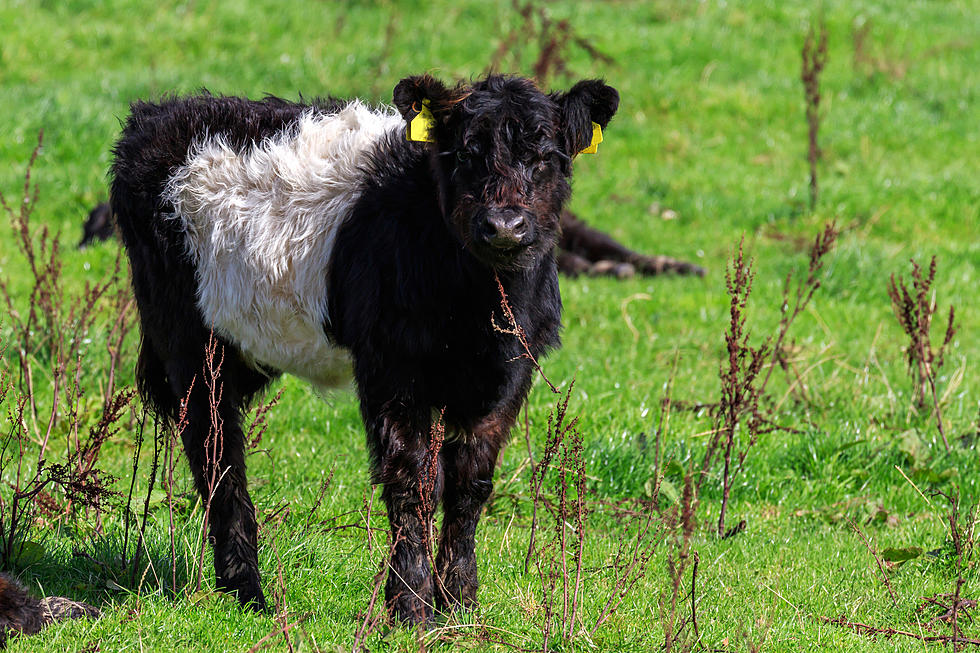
{"x": 215, "y": 448}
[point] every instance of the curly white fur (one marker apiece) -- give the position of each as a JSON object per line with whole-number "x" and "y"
{"x": 260, "y": 228}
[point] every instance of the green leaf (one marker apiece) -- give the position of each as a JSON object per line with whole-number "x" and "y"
{"x": 674, "y": 469}
{"x": 28, "y": 553}
{"x": 114, "y": 586}
{"x": 848, "y": 445}
{"x": 669, "y": 490}
{"x": 904, "y": 554}
{"x": 910, "y": 444}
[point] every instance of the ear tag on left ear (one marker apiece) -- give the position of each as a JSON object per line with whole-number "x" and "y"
{"x": 421, "y": 126}
{"x": 596, "y": 139}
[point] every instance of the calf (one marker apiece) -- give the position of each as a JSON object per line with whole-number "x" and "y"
{"x": 299, "y": 234}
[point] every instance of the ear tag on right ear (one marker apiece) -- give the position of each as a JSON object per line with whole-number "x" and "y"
{"x": 421, "y": 126}
{"x": 596, "y": 139}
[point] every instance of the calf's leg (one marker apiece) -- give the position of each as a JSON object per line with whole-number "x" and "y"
{"x": 468, "y": 465}
{"x": 215, "y": 448}
{"x": 585, "y": 249}
{"x": 400, "y": 447}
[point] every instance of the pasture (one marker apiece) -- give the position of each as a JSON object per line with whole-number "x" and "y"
{"x": 860, "y": 523}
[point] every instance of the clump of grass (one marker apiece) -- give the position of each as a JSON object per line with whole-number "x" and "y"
{"x": 914, "y": 309}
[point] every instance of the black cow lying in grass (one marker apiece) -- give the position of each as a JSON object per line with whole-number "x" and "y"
{"x": 584, "y": 250}
{"x": 295, "y": 231}
{"x": 581, "y": 249}
{"x": 22, "y": 614}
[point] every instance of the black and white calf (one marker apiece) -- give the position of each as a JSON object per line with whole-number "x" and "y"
{"x": 307, "y": 235}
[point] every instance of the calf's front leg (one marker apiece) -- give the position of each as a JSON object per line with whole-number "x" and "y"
{"x": 400, "y": 444}
{"x": 468, "y": 465}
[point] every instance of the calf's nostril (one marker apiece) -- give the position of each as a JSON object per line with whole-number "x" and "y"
{"x": 517, "y": 226}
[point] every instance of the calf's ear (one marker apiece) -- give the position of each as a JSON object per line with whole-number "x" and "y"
{"x": 411, "y": 92}
{"x": 424, "y": 103}
{"x": 589, "y": 101}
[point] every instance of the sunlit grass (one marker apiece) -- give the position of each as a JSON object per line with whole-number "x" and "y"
{"x": 711, "y": 126}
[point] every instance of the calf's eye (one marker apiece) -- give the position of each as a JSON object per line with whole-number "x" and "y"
{"x": 540, "y": 172}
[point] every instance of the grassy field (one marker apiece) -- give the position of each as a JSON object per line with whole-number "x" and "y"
{"x": 712, "y": 127}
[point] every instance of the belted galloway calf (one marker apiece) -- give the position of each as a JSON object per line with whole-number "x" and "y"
{"x": 307, "y": 235}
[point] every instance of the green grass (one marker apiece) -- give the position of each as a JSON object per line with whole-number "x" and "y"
{"x": 711, "y": 125}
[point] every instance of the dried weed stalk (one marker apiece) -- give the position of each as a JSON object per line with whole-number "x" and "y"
{"x": 652, "y": 526}
{"x": 159, "y": 445}
{"x": 561, "y": 473}
{"x": 426, "y": 509}
{"x": 963, "y": 540}
{"x": 50, "y": 332}
{"x": 553, "y": 39}
{"x": 876, "y": 632}
{"x": 953, "y": 607}
{"x": 170, "y": 453}
{"x": 514, "y": 329}
{"x": 878, "y": 560}
{"x": 214, "y": 357}
{"x": 869, "y": 64}
{"x": 739, "y": 417}
{"x": 259, "y": 423}
{"x": 372, "y": 618}
{"x": 76, "y": 476}
{"x": 814, "y": 60}
{"x": 681, "y": 524}
{"x": 54, "y": 326}
{"x": 560, "y": 558}
{"x": 914, "y": 308}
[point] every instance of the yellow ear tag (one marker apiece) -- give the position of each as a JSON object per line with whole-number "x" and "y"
{"x": 421, "y": 125}
{"x": 596, "y": 139}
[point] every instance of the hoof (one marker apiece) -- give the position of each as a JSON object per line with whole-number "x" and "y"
{"x": 410, "y": 613}
{"x": 249, "y": 595}
{"x": 612, "y": 269}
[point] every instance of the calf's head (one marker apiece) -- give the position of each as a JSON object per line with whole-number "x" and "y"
{"x": 501, "y": 153}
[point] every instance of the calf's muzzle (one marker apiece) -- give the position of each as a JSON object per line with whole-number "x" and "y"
{"x": 506, "y": 228}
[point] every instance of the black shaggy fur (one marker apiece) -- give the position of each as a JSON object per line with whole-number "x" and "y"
{"x": 21, "y": 613}
{"x": 98, "y": 226}
{"x": 412, "y": 294}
